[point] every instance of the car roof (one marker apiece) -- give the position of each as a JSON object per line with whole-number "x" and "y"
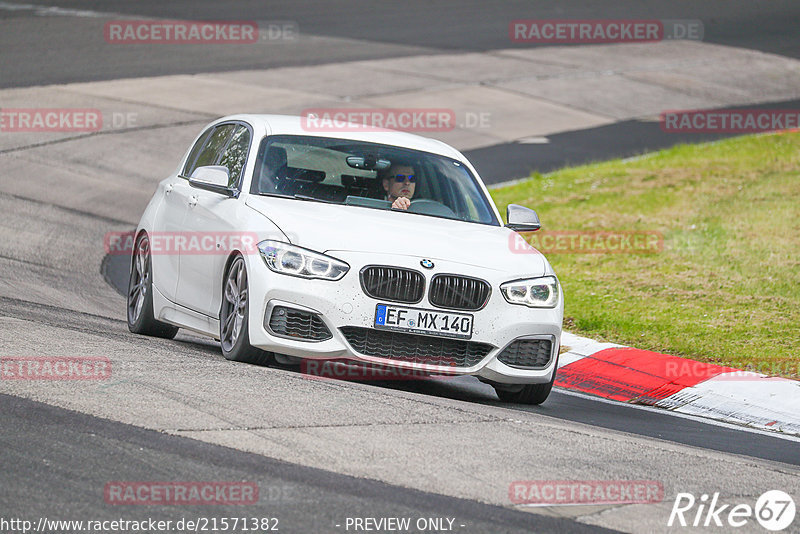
{"x": 296, "y": 125}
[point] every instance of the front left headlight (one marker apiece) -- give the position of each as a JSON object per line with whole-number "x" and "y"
{"x": 297, "y": 261}
{"x": 532, "y": 292}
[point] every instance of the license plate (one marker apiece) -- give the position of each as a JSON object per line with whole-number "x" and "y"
{"x": 421, "y": 321}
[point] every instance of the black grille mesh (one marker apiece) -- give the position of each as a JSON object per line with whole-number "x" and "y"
{"x": 458, "y": 292}
{"x": 393, "y": 283}
{"x": 527, "y": 353}
{"x": 298, "y": 324}
{"x": 415, "y": 348}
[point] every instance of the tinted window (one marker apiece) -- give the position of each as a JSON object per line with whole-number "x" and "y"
{"x": 213, "y": 147}
{"x": 235, "y": 155}
{"x": 195, "y": 151}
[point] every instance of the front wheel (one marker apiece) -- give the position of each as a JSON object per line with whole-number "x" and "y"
{"x": 526, "y": 394}
{"x": 234, "y": 334}
{"x": 140, "y": 295}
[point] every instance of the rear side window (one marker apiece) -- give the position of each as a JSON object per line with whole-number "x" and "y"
{"x": 212, "y": 149}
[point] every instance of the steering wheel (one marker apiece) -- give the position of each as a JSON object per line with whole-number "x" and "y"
{"x": 427, "y": 206}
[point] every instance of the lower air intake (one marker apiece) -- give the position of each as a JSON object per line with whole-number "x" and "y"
{"x": 415, "y": 348}
{"x": 527, "y": 353}
{"x": 298, "y": 324}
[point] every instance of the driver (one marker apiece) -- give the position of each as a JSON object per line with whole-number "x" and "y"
{"x": 399, "y": 182}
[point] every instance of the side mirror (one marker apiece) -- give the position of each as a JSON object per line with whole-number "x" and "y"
{"x": 522, "y": 219}
{"x": 212, "y": 178}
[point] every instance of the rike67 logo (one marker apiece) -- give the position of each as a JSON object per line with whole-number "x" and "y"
{"x": 774, "y": 510}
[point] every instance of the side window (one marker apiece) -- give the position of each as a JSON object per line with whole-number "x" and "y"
{"x": 235, "y": 155}
{"x": 195, "y": 151}
{"x": 213, "y": 147}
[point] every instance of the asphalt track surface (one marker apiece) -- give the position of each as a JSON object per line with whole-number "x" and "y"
{"x": 72, "y": 51}
{"x": 650, "y": 423}
{"x": 91, "y": 452}
{"x": 56, "y": 461}
{"x": 578, "y": 408}
{"x": 69, "y": 52}
{"x": 504, "y": 162}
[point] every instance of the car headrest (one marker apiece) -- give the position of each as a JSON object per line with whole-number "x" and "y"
{"x": 348, "y": 180}
{"x": 275, "y": 159}
{"x": 273, "y": 168}
{"x": 306, "y": 175}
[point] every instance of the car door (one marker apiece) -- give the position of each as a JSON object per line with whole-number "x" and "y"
{"x": 211, "y": 217}
{"x": 169, "y": 221}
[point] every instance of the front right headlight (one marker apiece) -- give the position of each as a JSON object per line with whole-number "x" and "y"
{"x": 532, "y": 292}
{"x": 297, "y": 261}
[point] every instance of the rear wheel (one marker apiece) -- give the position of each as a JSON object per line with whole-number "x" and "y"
{"x": 234, "y": 333}
{"x": 140, "y": 295}
{"x": 526, "y": 394}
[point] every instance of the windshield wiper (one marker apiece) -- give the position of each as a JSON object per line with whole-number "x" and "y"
{"x": 314, "y": 199}
{"x": 298, "y": 197}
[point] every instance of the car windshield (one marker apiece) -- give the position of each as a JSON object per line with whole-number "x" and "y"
{"x": 357, "y": 173}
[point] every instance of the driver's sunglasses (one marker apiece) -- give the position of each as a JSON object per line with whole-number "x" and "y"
{"x": 400, "y": 178}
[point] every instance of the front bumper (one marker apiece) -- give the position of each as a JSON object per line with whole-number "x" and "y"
{"x": 343, "y": 303}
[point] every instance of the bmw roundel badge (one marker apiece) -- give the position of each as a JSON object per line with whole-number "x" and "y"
{"x": 428, "y": 264}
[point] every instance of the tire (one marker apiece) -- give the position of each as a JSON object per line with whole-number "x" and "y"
{"x": 529, "y": 393}
{"x": 234, "y": 333}
{"x": 140, "y": 295}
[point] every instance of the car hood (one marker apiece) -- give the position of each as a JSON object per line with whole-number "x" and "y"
{"x": 333, "y": 227}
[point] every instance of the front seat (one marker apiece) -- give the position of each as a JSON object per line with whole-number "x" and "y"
{"x": 273, "y": 170}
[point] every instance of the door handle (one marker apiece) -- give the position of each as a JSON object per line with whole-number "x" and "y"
{"x": 168, "y": 189}
{"x": 193, "y": 201}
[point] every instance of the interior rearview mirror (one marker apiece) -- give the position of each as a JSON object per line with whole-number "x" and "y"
{"x": 368, "y": 162}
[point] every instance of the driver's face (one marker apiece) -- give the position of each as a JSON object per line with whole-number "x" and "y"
{"x": 399, "y": 182}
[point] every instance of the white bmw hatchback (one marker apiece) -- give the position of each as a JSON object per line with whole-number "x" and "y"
{"x": 284, "y": 242}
